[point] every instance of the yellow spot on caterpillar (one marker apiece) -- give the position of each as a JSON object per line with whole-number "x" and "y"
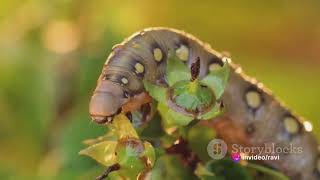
{"x": 307, "y": 126}
{"x": 135, "y": 45}
{"x": 253, "y": 99}
{"x": 124, "y": 80}
{"x": 291, "y": 125}
{"x": 139, "y": 68}
{"x": 157, "y": 53}
{"x": 214, "y": 66}
{"x": 183, "y": 53}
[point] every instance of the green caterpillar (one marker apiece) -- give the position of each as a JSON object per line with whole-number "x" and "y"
{"x": 253, "y": 115}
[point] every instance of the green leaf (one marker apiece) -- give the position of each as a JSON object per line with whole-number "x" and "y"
{"x": 199, "y": 137}
{"x": 115, "y": 175}
{"x": 226, "y": 169}
{"x": 172, "y": 117}
{"x": 103, "y": 152}
{"x": 153, "y": 128}
{"x": 217, "y": 80}
{"x": 156, "y": 92}
{"x": 181, "y": 87}
{"x": 109, "y": 136}
{"x": 188, "y": 101}
{"x": 275, "y": 174}
{"x": 191, "y": 95}
{"x": 122, "y": 127}
{"x": 128, "y": 156}
{"x": 176, "y": 71}
{"x": 149, "y": 153}
{"x": 201, "y": 171}
{"x": 205, "y": 95}
{"x": 214, "y": 112}
{"x": 129, "y": 160}
{"x": 179, "y": 118}
{"x": 169, "y": 167}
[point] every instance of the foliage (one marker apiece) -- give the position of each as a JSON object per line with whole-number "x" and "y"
{"x": 191, "y": 95}
{"x": 121, "y": 145}
{"x": 136, "y": 158}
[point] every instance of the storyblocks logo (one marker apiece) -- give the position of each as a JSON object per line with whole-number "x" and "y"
{"x": 217, "y": 149}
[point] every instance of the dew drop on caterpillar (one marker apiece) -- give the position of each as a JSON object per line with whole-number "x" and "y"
{"x": 253, "y": 115}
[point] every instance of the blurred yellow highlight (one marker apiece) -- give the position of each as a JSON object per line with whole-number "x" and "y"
{"x": 61, "y": 37}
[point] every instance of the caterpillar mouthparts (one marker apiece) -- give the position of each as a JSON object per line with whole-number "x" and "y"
{"x": 106, "y": 102}
{"x": 102, "y": 119}
{"x": 101, "y": 108}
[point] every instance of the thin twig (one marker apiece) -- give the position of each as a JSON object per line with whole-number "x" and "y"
{"x": 110, "y": 169}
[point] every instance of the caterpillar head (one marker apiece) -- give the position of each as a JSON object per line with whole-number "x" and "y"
{"x": 107, "y": 100}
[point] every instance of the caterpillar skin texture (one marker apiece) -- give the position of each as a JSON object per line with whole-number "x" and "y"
{"x": 253, "y": 115}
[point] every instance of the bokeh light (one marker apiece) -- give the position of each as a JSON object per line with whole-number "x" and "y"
{"x": 61, "y": 37}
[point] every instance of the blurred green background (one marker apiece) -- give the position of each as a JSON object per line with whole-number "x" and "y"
{"x": 51, "y": 53}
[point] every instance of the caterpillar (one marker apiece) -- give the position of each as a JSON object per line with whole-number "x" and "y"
{"x": 253, "y": 116}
